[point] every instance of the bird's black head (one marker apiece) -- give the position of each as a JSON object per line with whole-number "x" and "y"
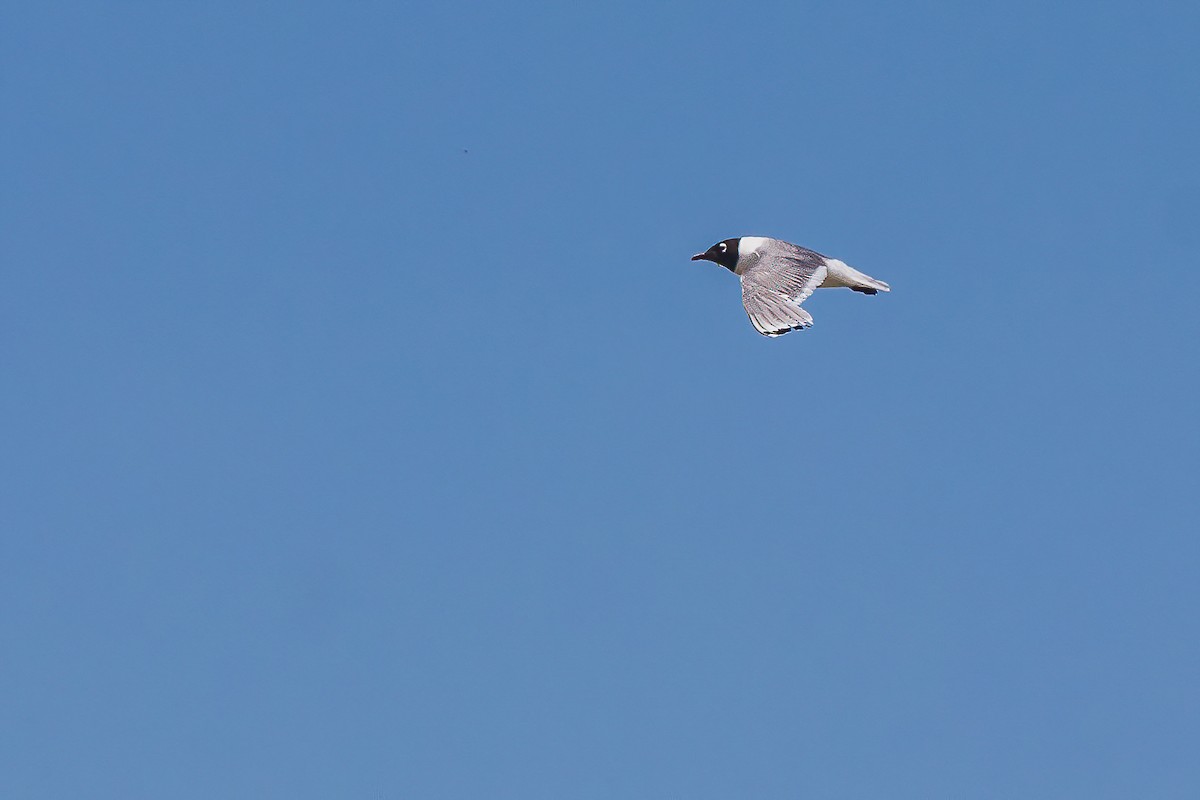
{"x": 724, "y": 253}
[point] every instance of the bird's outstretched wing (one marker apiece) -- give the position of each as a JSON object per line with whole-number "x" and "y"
{"x": 776, "y": 284}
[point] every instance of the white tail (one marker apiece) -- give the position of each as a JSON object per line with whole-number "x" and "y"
{"x": 842, "y": 274}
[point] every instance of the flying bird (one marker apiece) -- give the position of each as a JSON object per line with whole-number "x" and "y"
{"x": 778, "y": 276}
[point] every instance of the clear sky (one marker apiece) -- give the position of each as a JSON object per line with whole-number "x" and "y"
{"x": 367, "y": 431}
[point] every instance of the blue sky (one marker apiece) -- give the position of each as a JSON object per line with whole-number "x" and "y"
{"x": 340, "y": 462}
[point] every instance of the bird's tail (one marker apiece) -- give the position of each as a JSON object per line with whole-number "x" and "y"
{"x": 842, "y": 274}
{"x": 870, "y": 285}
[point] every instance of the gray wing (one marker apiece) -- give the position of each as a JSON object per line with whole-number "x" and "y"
{"x": 775, "y": 285}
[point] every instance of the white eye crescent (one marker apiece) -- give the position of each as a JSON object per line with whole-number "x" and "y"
{"x": 722, "y": 246}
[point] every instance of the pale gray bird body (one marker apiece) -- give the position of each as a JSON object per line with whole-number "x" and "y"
{"x": 778, "y": 276}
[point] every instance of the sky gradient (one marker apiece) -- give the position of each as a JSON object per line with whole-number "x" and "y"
{"x": 367, "y": 431}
